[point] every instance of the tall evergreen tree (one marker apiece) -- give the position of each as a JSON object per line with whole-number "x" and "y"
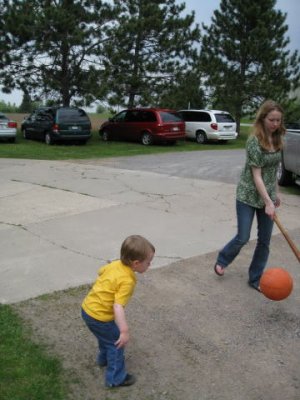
{"x": 59, "y": 52}
{"x": 184, "y": 92}
{"x": 151, "y": 46}
{"x": 245, "y": 56}
{"x": 4, "y": 39}
{"x": 27, "y": 105}
{"x": 6, "y": 45}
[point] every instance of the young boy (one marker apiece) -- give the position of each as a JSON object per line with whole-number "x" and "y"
{"x": 103, "y": 307}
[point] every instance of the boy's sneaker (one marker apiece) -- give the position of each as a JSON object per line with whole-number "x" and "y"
{"x": 129, "y": 380}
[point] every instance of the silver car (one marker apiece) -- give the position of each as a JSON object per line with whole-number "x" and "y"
{"x": 8, "y": 128}
{"x": 289, "y": 169}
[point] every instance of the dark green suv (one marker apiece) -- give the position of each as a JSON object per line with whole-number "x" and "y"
{"x": 54, "y": 124}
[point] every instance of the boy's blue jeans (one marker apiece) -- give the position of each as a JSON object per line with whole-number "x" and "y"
{"x": 107, "y": 333}
{"x": 245, "y": 216}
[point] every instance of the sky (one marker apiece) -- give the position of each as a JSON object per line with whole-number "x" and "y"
{"x": 203, "y": 12}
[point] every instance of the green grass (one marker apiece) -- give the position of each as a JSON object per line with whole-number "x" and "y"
{"x": 96, "y": 148}
{"x": 26, "y": 371}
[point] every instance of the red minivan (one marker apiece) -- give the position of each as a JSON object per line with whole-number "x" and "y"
{"x": 145, "y": 125}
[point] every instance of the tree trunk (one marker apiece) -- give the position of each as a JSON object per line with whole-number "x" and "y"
{"x": 65, "y": 93}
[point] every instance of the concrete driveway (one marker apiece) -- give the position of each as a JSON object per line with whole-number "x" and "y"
{"x": 61, "y": 220}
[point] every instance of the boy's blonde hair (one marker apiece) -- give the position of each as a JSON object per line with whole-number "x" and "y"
{"x": 135, "y": 247}
{"x": 259, "y": 131}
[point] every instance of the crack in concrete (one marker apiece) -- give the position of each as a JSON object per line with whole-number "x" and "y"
{"x": 53, "y": 187}
{"x": 150, "y": 195}
{"x": 100, "y": 261}
{"x": 52, "y": 242}
{"x": 61, "y": 246}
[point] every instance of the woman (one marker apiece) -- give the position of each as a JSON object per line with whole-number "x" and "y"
{"x": 257, "y": 191}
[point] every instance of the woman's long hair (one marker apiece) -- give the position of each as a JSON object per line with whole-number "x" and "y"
{"x": 259, "y": 130}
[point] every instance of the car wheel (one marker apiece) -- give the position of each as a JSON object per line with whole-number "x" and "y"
{"x": 12, "y": 140}
{"x": 284, "y": 177}
{"x": 48, "y": 139}
{"x": 146, "y": 139}
{"x": 201, "y": 138}
{"x": 105, "y": 136}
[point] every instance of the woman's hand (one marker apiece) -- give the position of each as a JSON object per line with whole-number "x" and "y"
{"x": 260, "y": 186}
{"x": 277, "y": 202}
{"x": 270, "y": 209}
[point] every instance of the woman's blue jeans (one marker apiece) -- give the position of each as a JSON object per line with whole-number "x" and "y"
{"x": 245, "y": 216}
{"x": 107, "y": 333}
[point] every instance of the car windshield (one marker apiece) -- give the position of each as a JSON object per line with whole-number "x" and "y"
{"x": 72, "y": 115}
{"x": 3, "y": 117}
{"x": 224, "y": 118}
{"x": 170, "y": 117}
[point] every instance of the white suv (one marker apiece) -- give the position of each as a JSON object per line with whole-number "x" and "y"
{"x": 205, "y": 125}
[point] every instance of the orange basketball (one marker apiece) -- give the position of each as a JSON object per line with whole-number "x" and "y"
{"x": 276, "y": 283}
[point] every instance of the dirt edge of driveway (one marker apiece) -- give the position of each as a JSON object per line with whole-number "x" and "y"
{"x": 194, "y": 336}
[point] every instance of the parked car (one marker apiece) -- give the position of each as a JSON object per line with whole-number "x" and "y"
{"x": 289, "y": 168}
{"x": 205, "y": 125}
{"x": 54, "y": 124}
{"x": 8, "y": 128}
{"x": 147, "y": 125}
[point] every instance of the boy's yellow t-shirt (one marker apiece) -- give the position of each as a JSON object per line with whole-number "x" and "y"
{"x": 115, "y": 284}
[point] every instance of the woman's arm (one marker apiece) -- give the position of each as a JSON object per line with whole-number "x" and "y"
{"x": 260, "y": 186}
{"x": 121, "y": 322}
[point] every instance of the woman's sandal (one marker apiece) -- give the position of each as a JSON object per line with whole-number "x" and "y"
{"x": 219, "y": 270}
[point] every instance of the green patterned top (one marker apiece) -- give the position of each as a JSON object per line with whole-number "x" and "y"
{"x": 256, "y": 156}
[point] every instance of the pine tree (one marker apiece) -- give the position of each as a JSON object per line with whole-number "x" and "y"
{"x": 245, "y": 57}
{"x": 4, "y": 39}
{"x": 58, "y": 48}
{"x": 6, "y": 44}
{"x": 26, "y": 105}
{"x": 185, "y": 92}
{"x": 150, "y": 47}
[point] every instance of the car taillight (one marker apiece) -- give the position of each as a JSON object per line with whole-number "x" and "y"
{"x": 12, "y": 124}
{"x": 55, "y": 128}
{"x": 214, "y": 126}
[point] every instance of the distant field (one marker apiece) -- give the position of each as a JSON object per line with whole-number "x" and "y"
{"x": 96, "y": 119}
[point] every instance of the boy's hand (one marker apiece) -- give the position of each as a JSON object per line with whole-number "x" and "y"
{"x": 123, "y": 340}
{"x": 122, "y": 325}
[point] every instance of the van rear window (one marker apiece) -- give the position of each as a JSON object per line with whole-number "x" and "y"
{"x": 72, "y": 115}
